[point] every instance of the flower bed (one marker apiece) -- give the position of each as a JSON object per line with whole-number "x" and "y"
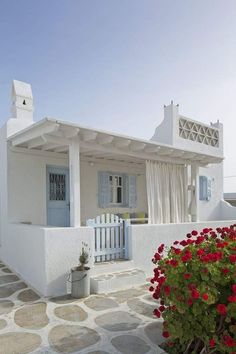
{"x": 195, "y": 282}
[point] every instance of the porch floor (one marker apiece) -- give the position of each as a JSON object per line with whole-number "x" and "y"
{"x": 118, "y": 322}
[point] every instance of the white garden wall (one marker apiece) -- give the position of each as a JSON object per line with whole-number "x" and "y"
{"x": 227, "y": 210}
{"x": 145, "y": 239}
{"x": 44, "y": 256}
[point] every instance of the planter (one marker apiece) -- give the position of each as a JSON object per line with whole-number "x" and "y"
{"x": 80, "y": 282}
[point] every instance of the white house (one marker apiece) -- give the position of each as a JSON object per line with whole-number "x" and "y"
{"x": 57, "y": 178}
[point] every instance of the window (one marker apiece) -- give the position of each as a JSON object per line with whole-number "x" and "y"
{"x": 57, "y": 186}
{"x": 116, "y": 189}
{"x": 204, "y": 188}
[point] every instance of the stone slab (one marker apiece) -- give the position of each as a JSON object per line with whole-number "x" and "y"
{"x": 118, "y": 321}
{"x": 72, "y": 338}
{"x": 71, "y": 313}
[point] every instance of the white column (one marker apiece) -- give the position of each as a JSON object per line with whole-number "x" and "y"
{"x": 74, "y": 160}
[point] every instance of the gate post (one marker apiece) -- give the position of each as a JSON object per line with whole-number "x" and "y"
{"x": 126, "y": 223}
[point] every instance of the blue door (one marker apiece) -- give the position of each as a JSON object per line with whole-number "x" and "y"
{"x": 58, "y": 196}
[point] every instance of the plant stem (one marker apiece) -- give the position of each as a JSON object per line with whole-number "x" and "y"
{"x": 197, "y": 345}
{"x": 189, "y": 345}
{"x": 203, "y": 350}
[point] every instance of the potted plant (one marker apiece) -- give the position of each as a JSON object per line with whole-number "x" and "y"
{"x": 80, "y": 279}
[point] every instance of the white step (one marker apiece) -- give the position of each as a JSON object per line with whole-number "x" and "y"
{"x": 109, "y": 282}
{"x": 111, "y": 266}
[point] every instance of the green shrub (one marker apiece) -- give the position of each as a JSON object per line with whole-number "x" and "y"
{"x": 195, "y": 282}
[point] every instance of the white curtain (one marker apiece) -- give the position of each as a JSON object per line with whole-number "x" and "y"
{"x": 167, "y": 192}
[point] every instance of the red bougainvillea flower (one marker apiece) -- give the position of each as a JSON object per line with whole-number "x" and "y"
{"x": 232, "y": 298}
{"x": 234, "y": 288}
{"x": 199, "y": 240}
{"x": 173, "y": 262}
{"x": 167, "y": 290}
{"x": 190, "y": 302}
{"x": 222, "y": 309}
{"x": 165, "y": 334}
{"x": 222, "y": 244}
{"x": 195, "y": 294}
{"x": 186, "y": 257}
{"x": 205, "y": 296}
{"x": 212, "y": 342}
{"x": 194, "y": 233}
{"x": 161, "y": 248}
{"x": 228, "y": 341}
{"x": 187, "y": 276}
{"x": 157, "y": 257}
{"x": 225, "y": 270}
{"x": 151, "y": 288}
{"x": 170, "y": 344}
{"x": 206, "y": 230}
{"x": 157, "y": 313}
{"x": 176, "y": 250}
{"x": 200, "y": 252}
{"x": 162, "y": 308}
{"x": 232, "y": 258}
{"x": 161, "y": 280}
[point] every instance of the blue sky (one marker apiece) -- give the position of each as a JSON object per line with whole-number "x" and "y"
{"x": 113, "y": 64}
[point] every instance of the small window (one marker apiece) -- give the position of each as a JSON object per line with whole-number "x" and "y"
{"x": 204, "y": 188}
{"x": 116, "y": 189}
{"x": 57, "y": 186}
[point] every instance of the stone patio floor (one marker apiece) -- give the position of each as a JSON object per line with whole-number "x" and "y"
{"x": 118, "y": 322}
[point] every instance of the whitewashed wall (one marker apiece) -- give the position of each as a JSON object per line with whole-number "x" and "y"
{"x": 27, "y": 186}
{"x": 211, "y": 210}
{"x": 44, "y": 256}
{"x": 145, "y": 239}
{"x": 227, "y": 211}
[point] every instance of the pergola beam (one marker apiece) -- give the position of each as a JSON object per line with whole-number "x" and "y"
{"x": 39, "y": 131}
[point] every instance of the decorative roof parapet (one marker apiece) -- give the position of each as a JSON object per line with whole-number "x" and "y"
{"x": 185, "y": 133}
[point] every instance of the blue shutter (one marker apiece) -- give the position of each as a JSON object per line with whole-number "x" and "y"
{"x": 103, "y": 190}
{"x": 125, "y": 191}
{"x": 132, "y": 191}
{"x": 203, "y": 188}
{"x": 208, "y": 188}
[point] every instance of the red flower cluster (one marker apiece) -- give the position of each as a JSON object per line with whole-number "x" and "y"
{"x": 222, "y": 309}
{"x": 188, "y": 278}
{"x": 229, "y": 341}
{"x": 187, "y": 256}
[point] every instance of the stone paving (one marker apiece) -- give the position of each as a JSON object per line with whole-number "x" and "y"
{"x": 118, "y": 322}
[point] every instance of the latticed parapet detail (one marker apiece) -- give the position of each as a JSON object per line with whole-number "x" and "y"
{"x": 197, "y": 132}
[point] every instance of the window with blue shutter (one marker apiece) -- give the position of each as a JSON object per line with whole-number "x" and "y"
{"x": 116, "y": 190}
{"x": 204, "y": 188}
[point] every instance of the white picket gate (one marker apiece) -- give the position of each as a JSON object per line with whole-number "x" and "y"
{"x": 110, "y": 241}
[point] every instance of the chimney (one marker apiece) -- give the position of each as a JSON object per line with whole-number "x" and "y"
{"x": 22, "y": 101}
